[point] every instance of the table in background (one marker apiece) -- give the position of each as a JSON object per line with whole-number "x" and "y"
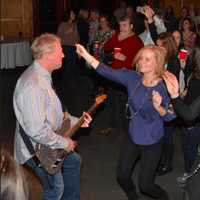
{"x": 15, "y": 52}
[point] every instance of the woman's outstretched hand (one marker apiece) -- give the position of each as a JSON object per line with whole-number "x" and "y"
{"x": 81, "y": 51}
{"x": 172, "y": 84}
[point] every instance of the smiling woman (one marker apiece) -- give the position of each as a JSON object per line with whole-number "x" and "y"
{"x": 150, "y": 59}
{"x": 146, "y": 129}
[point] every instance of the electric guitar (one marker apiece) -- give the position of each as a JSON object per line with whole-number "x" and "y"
{"x": 52, "y": 159}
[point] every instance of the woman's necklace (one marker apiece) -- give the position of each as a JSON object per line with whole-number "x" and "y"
{"x": 130, "y": 114}
{"x": 151, "y": 83}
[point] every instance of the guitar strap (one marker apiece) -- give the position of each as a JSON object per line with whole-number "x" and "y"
{"x": 29, "y": 145}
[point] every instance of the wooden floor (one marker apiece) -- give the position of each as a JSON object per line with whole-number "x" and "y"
{"x": 99, "y": 151}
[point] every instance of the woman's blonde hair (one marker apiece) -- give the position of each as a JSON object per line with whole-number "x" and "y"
{"x": 44, "y": 43}
{"x": 159, "y": 53}
{"x": 13, "y": 186}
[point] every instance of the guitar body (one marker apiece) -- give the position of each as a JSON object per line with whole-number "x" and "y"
{"x": 52, "y": 159}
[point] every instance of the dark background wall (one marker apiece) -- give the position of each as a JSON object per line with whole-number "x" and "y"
{"x": 31, "y": 17}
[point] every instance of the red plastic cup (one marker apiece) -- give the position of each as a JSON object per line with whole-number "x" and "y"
{"x": 117, "y": 50}
{"x": 182, "y": 54}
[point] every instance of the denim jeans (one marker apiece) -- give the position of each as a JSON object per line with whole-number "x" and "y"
{"x": 65, "y": 182}
{"x": 71, "y": 176}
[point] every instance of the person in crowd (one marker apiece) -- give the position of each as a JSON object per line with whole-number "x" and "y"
{"x": 172, "y": 64}
{"x": 146, "y": 130}
{"x": 186, "y": 66}
{"x": 39, "y": 115}
{"x": 170, "y": 19}
{"x": 149, "y": 35}
{"x": 187, "y": 112}
{"x": 83, "y": 26}
{"x": 194, "y": 16}
{"x": 184, "y": 13}
{"x": 121, "y": 10}
{"x": 152, "y": 24}
{"x": 69, "y": 35}
{"x": 130, "y": 11}
{"x": 160, "y": 7}
{"x": 138, "y": 21}
{"x": 188, "y": 34}
{"x": 67, "y": 30}
{"x": 13, "y": 180}
{"x": 159, "y": 21}
{"x": 104, "y": 33}
{"x": 124, "y": 40}
{"x": 93, "y": 24}
{"x": 176, "y": 34}
{"x": 167, "y": 41}
{"x": 190, "y": 129}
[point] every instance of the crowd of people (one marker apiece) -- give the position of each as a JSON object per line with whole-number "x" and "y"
{"x": 150, "y": 86}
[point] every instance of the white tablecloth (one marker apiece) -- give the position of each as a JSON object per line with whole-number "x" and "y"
{"x": 15, "y": 53}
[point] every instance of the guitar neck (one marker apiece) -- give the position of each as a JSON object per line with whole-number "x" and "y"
{"x": 74, "y": 128}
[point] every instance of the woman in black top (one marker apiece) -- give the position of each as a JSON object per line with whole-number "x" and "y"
{"x": 167, "y": 41}
{"x": 188, "y": 109}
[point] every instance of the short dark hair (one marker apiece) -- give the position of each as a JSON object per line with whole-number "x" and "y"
{"x": 124, "y": 18}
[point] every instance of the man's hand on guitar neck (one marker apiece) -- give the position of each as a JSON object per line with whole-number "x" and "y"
{"x": 71, "y": 145}
{"x": 87, "y": 120}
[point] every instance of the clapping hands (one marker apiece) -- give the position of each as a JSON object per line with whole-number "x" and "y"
{"x": 172, "y": 84}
